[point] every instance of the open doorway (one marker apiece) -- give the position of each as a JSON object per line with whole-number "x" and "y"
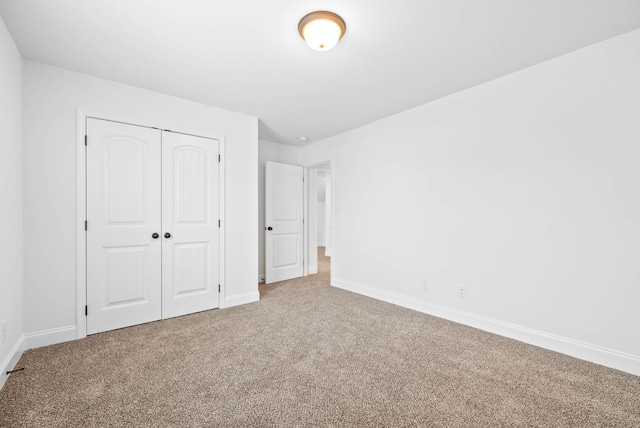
{"x": 319, "y": 229}
{"x": 310, "y": 207}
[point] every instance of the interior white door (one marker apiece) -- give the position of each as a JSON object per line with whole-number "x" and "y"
{"x": 284, "y": 228}
{"x": 123, "y": 214}
{"x": 190, "y": 224}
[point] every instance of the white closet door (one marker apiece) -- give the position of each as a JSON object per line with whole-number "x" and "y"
{"x": 189, "y": 224}
{"x": 284, "y": 234}
{"x": 123, "y": 213}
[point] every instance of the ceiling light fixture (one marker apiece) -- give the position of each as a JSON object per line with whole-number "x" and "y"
{"x": 321, "y": 29}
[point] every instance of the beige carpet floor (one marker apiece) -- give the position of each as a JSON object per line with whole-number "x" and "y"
{"x": 309, "y": 354}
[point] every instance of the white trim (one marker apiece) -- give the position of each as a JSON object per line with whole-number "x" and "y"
{"x": 35, "y": 340}
{"x": 81, "y": 215}
{"x": 49, "y": 337}
{"x": 81, "y": 183}
{"x": 241, "y": 299}
{"x": 11, "y": 360}
{"x": 332, "y": 272}
{"x": 584, "y": 351}
{"x": 305, "y": 220}
{"x": 260, "y": 278}
{"x": 222, "y": 240}
{"x": 313, "y": 270}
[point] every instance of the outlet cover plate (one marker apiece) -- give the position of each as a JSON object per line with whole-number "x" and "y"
{"x": 462, "y": 290}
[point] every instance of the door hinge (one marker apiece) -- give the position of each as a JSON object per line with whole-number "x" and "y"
{"x": 218, "y": 222}
{"x": 218, "y": 288}
{"x": 86, "y": 310}
{"x": 85, "y": 140}
{"x": 219, "y": 158}
{"x": 85, "y": 225}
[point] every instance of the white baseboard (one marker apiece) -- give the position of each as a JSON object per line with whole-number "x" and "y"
{"x": 260, "y": 278}
{"x": 11, "y": 360}
{"x": 584, "y": 351}
{"x": 312, "y": 270}
{"x": 241, "y": 299}
{"x": 49, "y": 337}
{"x": 35, "y": 340}
{"x": 327, "y": 253}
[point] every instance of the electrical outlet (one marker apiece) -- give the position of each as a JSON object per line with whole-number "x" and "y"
{"x": 4, "y": 331}
{"x": 462, "y": 290}
{"x": 425, "y": 284}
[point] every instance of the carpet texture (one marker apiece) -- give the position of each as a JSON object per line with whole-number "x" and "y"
{"x": 309, "y": 354}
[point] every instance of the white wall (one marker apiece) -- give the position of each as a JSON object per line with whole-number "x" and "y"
{"x": 268, "y": 151}
{"x": 11, "y": 184}
{"x": 51, "y": 97}
{"x": 526, "y": 189}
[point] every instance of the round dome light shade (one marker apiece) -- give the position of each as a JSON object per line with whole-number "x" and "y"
{"x": 322, "y": 30}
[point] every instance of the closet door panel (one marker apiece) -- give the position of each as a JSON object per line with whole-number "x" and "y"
{"x": 189, "y": 224}
{"x": 123, "y": 213}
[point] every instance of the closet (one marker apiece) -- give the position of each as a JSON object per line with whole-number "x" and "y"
{"x": 152, "y": 224}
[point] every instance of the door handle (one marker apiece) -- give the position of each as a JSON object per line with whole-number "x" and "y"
{"x": 269, "y": 228}
{"x": 155, "y": 235}
{"x": 167, "y": 235}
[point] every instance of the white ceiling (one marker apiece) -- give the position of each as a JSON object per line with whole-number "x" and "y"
{"x": 246, "y": 55}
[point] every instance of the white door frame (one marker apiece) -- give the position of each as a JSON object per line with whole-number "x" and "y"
{"x": 310, "y": 191}
{"x": 81, "y": 205}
